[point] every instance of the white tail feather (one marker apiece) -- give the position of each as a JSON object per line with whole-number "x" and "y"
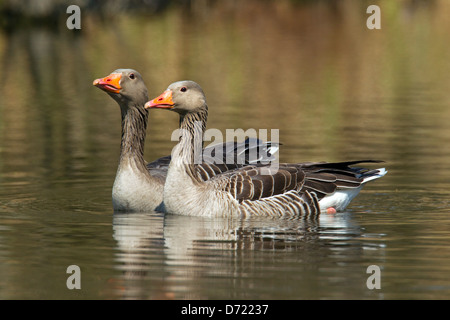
{"x": 381, "y": 173}
{"x": 341, "y": 198}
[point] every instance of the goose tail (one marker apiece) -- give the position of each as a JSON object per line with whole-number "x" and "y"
{"x": 373, "y": 174}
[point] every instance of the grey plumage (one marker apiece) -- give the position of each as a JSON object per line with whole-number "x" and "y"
{"x": 138, "y": 185}
{"x": 303, "y": 189}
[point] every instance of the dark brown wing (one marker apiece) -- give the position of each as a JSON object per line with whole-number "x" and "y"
{"x": 320, "y": 179}
{"x": 159, "y": 167}
{"x": 346, "y": 176}
{"x": 250, "y": 151}
{"x": 252, "y": 183}
{"x": 206, "y": 171}
{"x": 231, "y": 155}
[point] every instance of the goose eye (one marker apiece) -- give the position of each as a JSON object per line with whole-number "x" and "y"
{"x": 131, "y": 76}
{"x": 183, "y": 89}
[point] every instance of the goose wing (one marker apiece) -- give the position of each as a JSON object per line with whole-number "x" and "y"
{"x": 255, "y": 182}
{"x": 345, "y": 173}
{"x": 250, "y": 151}
{"x": 158, "y": 168}
{"x": 223, "y": 157}
{"x": 286, "y": 191}
{"x": 258, "y": 182}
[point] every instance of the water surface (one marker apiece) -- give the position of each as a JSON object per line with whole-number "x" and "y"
{"x": 336, "y": 90}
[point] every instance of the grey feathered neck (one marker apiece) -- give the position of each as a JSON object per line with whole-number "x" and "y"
{"x": 134, "y": 128}
{"x": 189, "y": 149}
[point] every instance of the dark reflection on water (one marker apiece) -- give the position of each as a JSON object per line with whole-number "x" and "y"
{"x": 336, "y": 91}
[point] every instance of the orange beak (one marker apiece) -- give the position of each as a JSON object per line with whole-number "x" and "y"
{"x": 164, "y": 101}
{"x": 110, "y": 83}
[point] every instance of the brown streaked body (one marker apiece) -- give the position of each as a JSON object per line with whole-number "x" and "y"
{"x": 295, "y": 189}
{"x": 138, "y": 185}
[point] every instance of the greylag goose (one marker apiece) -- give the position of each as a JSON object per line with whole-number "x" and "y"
{"x": 138, "y": 185}
{"x": 301, "y": 189}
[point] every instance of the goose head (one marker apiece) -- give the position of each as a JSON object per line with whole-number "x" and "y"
{"x": 182, "y": 97}
{"x": 126, "y": 86}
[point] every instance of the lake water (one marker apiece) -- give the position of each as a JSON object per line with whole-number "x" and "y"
{"x": 336, "y": 91}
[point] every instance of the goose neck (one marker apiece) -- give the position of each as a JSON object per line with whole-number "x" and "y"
{"x": 188, "y": 151}
{"x": 134, "y": 127}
